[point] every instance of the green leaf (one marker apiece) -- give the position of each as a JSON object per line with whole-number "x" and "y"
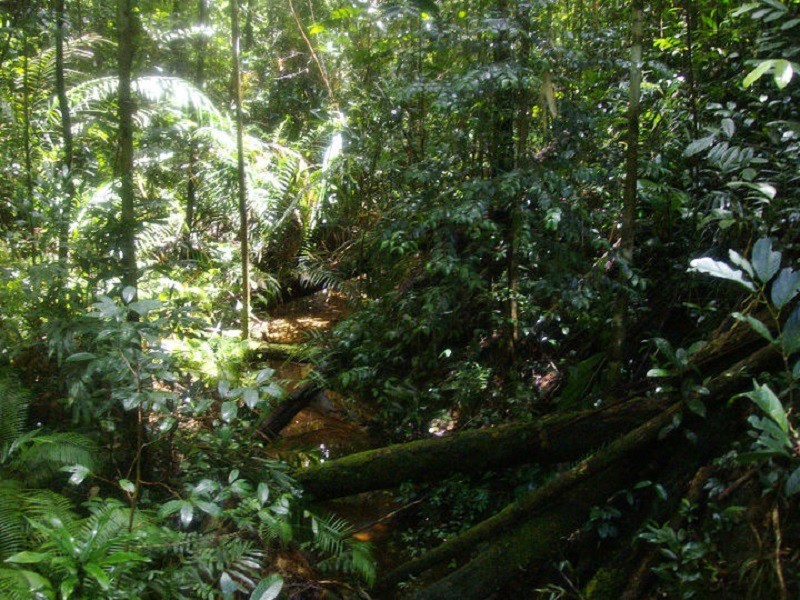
{"x": 81, "y": 356}
{"x": 127, "y": 486}
{"x": 720, "y": 270}
{"x": 698, "y": 146}
{"x": 783, "y": 73}
{"x": 696, "y": 406}
{"x": 227, "y": 585}
{"x": 170, "y": 508}
{"x": 28, "y": 558}
{"x": 233, "y": 476}
{"x": 228, "y": 411}
{"x": 757, "y": 325}
{"x": 79, "y": 473}
{"x": 769, "y": 403}
{"x": 762, "y": 188}
{"x": 142, "y": 307}
{"x": 740, "y": 261}
{"x": 785, "y": 287}
{"x": 251, "y": 397}
{"x": 728, "y": 127}
{"x": 209, "y": 508}
{"x": 793, "y": 483}
{"x": 100, "y": 576}
{"x": 268, "y": 589}
{"x": 187, "y": 512}
{"x": 766, "y": 262}
{"x": 758, "y": 72}
{"x": 224, "y": 388}
{"x": 790, "y": 337}
{"x": 263, "y": 493}
{"x": 658, "y": 373}
{"x": 128, "y": 294}
{"x": 123, "y": 557}
{"x": 796, "y": 370}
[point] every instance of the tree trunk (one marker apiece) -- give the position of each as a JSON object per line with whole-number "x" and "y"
{"x": 66, "y": 132}
{"x": 242, "y": 182}
{"x": 126, "y": 32}
{"x": 627, "y": 232}
{"x": 26, "y": 141}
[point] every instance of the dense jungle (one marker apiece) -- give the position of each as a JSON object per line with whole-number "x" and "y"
{"x": 375, "y": 299}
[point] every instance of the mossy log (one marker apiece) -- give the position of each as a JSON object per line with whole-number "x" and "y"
{"x": 552, "y": 440}
{"x": 552, "y": 515}
{"x": 565, "y": 489}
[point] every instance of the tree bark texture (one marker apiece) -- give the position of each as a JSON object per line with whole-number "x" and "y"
{"x": 242, "y": 182}
{"x": 66, "y": 133}
{"x": 126, "y": 32}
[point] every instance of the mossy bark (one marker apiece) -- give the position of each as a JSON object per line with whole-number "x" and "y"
{"x": 552, "y": 440}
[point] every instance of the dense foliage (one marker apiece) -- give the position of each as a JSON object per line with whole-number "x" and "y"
{"x": 522, "y": 231}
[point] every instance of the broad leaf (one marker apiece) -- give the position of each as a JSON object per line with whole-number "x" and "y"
{"x": 790, "y": 337}
{"x": 720, "y": 270}
{"x": 100, "y": 576}
{"x": 28, "y": 558}
{"x": 758, "y": 72}
{"x": 250, "y": 397}
{"x": 698, "y": 146}
{"x": 268, "y": 589}
{"x": 784, "y": 71}
{"x": 757, "y": 325}
{"x": 128, "y": 294}
{"x": 768, "y": 402}
{"x": 187, "y": 512}
{"x": 740, "y": 261}
{"x": 766, "y": 262}
{"x": 728, "y": 127}
{"x": 227, "y": 585}
{"x": 793, "y": 483}
{"x": 785, "y": 287}
{"x": 228, "y": 411}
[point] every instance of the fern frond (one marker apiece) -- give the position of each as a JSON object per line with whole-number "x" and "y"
{"x": 19, "y": 584}
{"x": 14, "y": 402}
{"x": 43, "y": 456}
{"x": 12, "y": 519}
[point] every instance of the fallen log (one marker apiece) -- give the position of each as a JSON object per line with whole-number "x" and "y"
{"x": 296, "y": 401}
{"x": 555, "y": 439}
{"x": 621, "y": 453}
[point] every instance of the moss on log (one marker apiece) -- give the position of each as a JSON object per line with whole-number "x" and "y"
{"x": 555, "y": 439}
{"x": 622, "y": 454}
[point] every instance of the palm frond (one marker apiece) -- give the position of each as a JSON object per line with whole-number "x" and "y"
{"x": 174, "y": 92}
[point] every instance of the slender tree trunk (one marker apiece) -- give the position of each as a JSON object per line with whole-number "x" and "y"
{"x": 237, "y": 95}
{"x": 26, "y": 142}
{"x": 690, "y": 77}
{"x": 126, "y": 31}
{"x": 199, "y": 81}
{"x": 629, "y": 200}
{"x": 66, "y": 132}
